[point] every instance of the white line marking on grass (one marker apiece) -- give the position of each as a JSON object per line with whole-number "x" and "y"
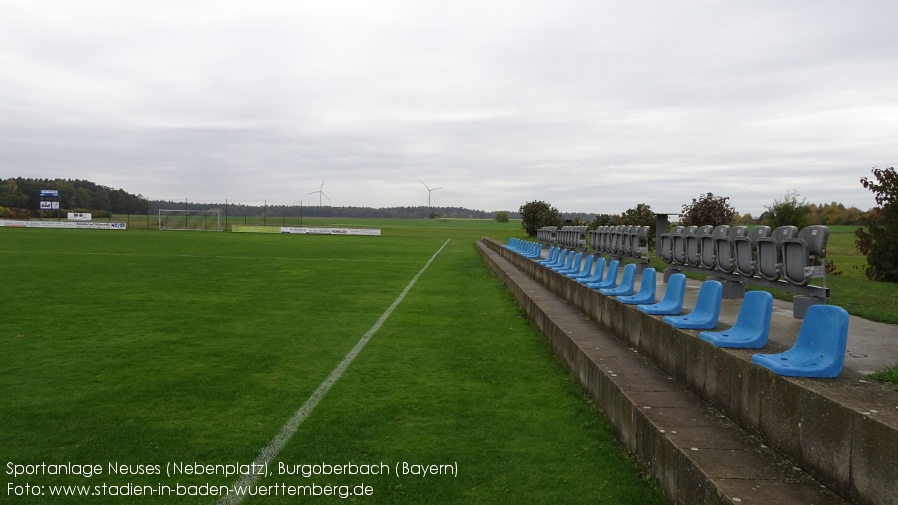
{"x": 201, "y": 256}
{"x": 286, "y": 432}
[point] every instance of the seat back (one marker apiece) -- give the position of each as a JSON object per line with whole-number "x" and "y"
{"x": 823, "y": 338}
{"x": 708, "y": 257}
{"x": 800, "y": 255}
{"x": 675, "y": 292}
{"x": 553, "y": 251}
{"x": 754, "y": 314}
{"x": 724, "y": 248}
{"x": 665, "y": 245}
{"x": 575, "y": 264}
{"x": 745, "y": 249}
{"x": 627, "y": 282}
{"x": 693, "y": 244}
{"x": 648, "y": 284}
{"x": 599, "y": 272}
{"x": 611, "y": 273}
{"x": 585, "y": 267}
{"x": 707, "y": 305}
{"x": 620, "y": 243}
{"x": 642, "y": 241}
{"x": 770, "y": 252}
{"x": 679, "y": 244}
{"x": 599, "y": 244}
{"x": 560, "y": 259}
{"x": 815, "y": 237}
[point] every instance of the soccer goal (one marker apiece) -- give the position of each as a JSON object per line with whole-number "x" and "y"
{"x": 193, "y": 220}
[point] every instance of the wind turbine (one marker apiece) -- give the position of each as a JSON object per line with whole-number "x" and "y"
{"x": 320, "y": 193}
{"x": 429, "y": 191}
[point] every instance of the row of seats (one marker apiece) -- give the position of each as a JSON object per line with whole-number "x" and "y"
{"x": 818, "y": 352}
{"x": 567, "y": 236}
{"x": 783, "y": 253}
{"x": 620, "y": 241}
{"x": 532, "y": 250}
{"x": 546, "y": 234}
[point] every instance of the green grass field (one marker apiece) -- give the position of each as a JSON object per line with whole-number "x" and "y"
{"x": 123, "y": 353}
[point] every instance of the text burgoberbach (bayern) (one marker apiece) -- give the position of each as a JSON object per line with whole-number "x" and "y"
{"x": 26, "y": 477}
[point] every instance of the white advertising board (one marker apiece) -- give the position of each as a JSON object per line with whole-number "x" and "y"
{"x": 83, "y": 225}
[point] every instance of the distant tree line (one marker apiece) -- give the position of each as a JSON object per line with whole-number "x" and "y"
{"x": 240, "y": 209}
{"x": 20, "y": 197}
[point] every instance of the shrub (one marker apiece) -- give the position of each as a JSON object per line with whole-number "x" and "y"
{"x": 641, "y": 215}
{"x": 788, "y": 211}
{"x": 878, "y": 238}
{"x": 502, "y": 216}
{"x": 536, "y": 214}
{"x": 604, "y": 220}
{"x": 707, "y": 209}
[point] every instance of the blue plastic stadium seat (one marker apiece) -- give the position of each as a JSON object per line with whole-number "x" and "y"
{"x": 535, "y": 252}
{"x": 707, "y": 309}
{"x": 752, "y": 324}
{"x": 564, "y": 262}
{"x": 552, "y": 256}
{"x": 672, "y": 303}
{"x": 573, "y": 266}
{"x": 646, "y": 294}
{"x": 585, "y": 269}
{"x": 627, "y": 283}
{"x": 560, "y": 258}
{"x": 610, "y": 277}
{"x": 598, "y": 273}
{"x": 819, "y": 350}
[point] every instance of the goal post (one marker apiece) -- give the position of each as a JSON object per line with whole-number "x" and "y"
{"x": 192, "y": 220}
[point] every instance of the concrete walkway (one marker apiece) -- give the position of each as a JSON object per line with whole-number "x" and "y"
{"x": 871, "y": 346}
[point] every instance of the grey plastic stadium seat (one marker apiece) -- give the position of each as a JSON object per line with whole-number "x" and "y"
{"x": 665, "y": 244}
{"x": 770, "y": 255}
{"x": 708, "y": 254}
{"x": 694, "y": 245}
{"x": 801, "y": 254}
{"x": 641, "y": 241}
{"x": 724, "y": 248}
{"x": 626, "y": 240}
{"x": 745, "y": 249}
{"x": 679, "y": 245}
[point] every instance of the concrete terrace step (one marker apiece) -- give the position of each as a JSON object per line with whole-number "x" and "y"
{"x": 706, "y": 441}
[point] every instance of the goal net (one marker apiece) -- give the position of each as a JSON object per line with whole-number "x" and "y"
{"x": 193, "y": 220}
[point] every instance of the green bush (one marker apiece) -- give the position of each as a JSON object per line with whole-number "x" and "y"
{"x": 788, "y": 211}
{"x": 707, "y": 210}
{"x": 536, "y": 214}
{"x": 878, "y": 238}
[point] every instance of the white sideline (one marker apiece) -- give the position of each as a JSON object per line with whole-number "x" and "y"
{"x": 289, "y": 428}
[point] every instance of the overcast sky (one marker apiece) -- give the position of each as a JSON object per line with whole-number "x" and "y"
{"x": 593, "y": 106}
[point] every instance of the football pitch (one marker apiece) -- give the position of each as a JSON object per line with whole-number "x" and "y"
{"x": 142, "y": 366}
